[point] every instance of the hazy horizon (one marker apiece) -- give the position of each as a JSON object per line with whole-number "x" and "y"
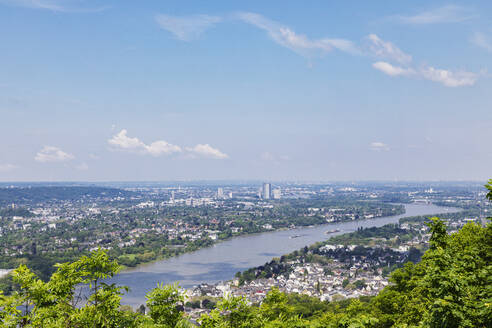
{"x": 216, "y": 182}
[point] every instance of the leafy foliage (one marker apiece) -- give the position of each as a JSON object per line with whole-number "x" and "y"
{"x": 164, "y": 302}
{"x": 489, "y": 187}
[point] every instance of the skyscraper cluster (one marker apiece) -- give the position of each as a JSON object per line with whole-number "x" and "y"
{"x": 268, "y": 193}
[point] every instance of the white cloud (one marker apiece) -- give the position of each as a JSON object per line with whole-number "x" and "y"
{"x": 449, "y": 78}
{"x": 82, "y": 167}
{"x": 379, "y": 146}
{"x": 482, "y": 41}
{"x": 445, "y": 14}
{"x": 387, "y": 50}
{"x": 269, "y": 157}
{"x": 445, "y": 77}
{"x": 298, "y": 43}
{"x": 36, "y": 4}
{"x": 52, "y": 5}
{"x": 393, "y": 70}
{"x": 343, "y": 45}
{"x": 205, "y": 150}
{"x": 121, "y": 141}
{"x": 7, "y": 167}
{"x": 161, "y": 147}
{"x": 52, "y": 154}
{"x": 187, "y": 28}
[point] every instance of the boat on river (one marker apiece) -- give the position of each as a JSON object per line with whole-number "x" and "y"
{"x": 221, "y": 262}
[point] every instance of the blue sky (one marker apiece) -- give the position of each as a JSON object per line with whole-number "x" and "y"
{"x": 274, "y": 90}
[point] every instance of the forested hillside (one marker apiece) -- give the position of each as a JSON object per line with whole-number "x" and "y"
{"x": 35, "y": 194}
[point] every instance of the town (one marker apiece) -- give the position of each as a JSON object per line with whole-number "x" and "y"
{"x": 44, "y": 225}
{"x": 351, "y": 265}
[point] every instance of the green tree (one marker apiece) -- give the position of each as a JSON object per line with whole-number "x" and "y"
{"x": 489, "y": 187}
{"x": 164, "y": 304}
{"x": 450, "y": 287}
{"x": 54, "y": 303}
{"x": 232, "y": 312}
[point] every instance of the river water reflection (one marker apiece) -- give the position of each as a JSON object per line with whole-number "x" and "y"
{"x": 223, "y": 260}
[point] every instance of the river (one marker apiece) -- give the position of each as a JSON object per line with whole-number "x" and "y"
{"x": 223, "y": 260}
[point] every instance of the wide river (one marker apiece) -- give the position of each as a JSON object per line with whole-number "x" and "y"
{"x": 223, "y": 260}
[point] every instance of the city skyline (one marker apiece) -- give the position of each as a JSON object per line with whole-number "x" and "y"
{"x": 280, "y": 91}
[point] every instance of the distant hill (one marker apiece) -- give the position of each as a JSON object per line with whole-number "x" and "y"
{"x": 37, "y": 194}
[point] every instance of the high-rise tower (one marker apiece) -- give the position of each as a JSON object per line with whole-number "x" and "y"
{"x": 267, "y": 191}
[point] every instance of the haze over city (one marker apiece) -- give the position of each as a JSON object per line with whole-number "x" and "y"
{"x": 277, "y": 90}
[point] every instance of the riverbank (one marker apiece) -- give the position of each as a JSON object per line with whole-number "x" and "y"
{"x": 221, "y": 261}
{"x": 179, "y": 251}
{"x": 352, "y": 265}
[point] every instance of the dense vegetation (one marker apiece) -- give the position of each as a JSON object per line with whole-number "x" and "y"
{"x": 375, "y": 235}
{"x": 38, "y": 194}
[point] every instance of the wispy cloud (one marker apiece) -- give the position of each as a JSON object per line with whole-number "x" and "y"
{"x": 445, "y": 14}
{"x": 207, "y": 151}
{"x": 52, "y": 5}
{"x": 187, "y": 28}
{"x": 82, "y": 167}
{"x": 52, "y": 154}
{"x": 275, "y": 159}
{"x": 391, "y": 59}
{"x": 387, "y": 50}
{"x": 379, "y": 146}
{"x": 267, "y": 156}
{"x": 445, "y": 77}
{"x": 449, "y": 78}
{"x": 298, "y": 43}
{"x": 392, "y": 70}
{"x": 7, "y": 167}
{"x": 122, "y": 142}
{"x": 35, "y": 4}
{"x": 482, "y": 40}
